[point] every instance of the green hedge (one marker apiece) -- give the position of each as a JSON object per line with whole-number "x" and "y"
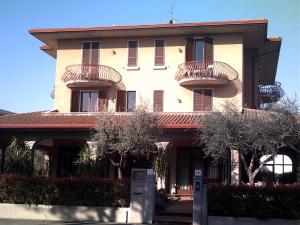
{"x": 80, "y": 191}
{"x": 260, "y": 202}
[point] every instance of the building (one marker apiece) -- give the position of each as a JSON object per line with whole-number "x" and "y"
{"x": 183, "y": 70}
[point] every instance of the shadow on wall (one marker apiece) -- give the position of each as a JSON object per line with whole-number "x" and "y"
{"x": 75, "y": 213}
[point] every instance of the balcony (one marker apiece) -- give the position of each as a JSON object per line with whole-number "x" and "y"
{"x": 205, "y": 73}
{"x": 270, "y": 92}
{"x": 90, "y": 76}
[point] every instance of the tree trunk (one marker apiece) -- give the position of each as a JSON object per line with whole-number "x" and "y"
{"x": 119, "y": 173}
{"x": 251, "y": 177}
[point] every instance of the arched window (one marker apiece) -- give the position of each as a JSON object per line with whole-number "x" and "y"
{"x": 279, "y": 165}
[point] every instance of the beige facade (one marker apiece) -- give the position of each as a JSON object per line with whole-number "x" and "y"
{"x": 146, "y": 78}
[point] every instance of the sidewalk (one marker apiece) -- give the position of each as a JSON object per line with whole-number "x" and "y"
{"x": 40, "y": 222}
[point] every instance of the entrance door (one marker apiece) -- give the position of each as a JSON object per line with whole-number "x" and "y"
{"x": 189, "y": 159}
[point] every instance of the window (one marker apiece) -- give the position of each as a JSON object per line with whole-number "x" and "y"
{"x": 158, "y": 101}
{"x": 203, "y": 99}
{"x": 281, "y": 164}
{"x": 131, "y": 101}
{"x": 132, "y": 53}
{"x": 199, "y": 50}
{"x": 90, "y": 53}
{"x": 92, "y": 101}
{"x": 159, "y": 53}
{"x": 126, "y": 101}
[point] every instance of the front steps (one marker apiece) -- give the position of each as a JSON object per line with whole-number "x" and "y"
{"x": 178, "y": 213}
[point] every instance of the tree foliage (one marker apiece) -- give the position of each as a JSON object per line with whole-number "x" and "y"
{"x": 133, "y": 134}
{"x": 86, "y": 162}
{"x": 18, "y": 158}
{"x": 253, "y": 133}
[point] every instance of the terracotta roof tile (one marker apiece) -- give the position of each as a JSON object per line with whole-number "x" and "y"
{"x": 86, "y": 120}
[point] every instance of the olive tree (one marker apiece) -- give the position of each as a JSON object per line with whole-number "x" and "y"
{"x": 253, "y": 133}
{"x": 18, "y": 158}
{"x": 131, "y": 134}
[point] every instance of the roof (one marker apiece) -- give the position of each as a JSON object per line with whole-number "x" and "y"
{"x": 149, "y": 26}
{"x": 253, "y": 30}
{"x": 48, "y": 120}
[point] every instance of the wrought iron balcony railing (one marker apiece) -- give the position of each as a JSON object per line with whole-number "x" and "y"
{"x": 205, "y": 72}
{"x": 270, "y": 92}
{"x": 80, "y": 73}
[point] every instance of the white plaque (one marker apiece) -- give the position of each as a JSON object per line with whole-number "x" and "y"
{"x": 150, "y": 172}
{"x": 198, "y": 173}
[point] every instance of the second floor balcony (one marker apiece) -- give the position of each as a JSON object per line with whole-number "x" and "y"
{"x": 81, "y": 75}
{"x": 270, "y": 92}
{"x": 205, "y": 73}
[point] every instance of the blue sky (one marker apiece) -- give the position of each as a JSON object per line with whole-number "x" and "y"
{"x": 27, "y": 74}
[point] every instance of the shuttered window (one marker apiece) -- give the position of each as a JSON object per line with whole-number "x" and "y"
{"x": 121, "y": 101}
{"x": 75, "y": 101}
{"x": 90, "y": 53}
{"x": 203, "y": 99}
{"x": 126, "y": 101}
{"x": 92, "y": 101}
{"x": 132, "y": 53}
{"x": 158, "y": 101}
{"x": 159, "y": 52}
{"x": 199, "y": 50}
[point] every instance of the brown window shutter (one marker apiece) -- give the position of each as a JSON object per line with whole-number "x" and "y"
{"x": 158, "y": 101}
{"x": 132, "y": 53}
{"x": 102, "y": 101}
{"x": 86, "y": 53}
{"x": 208, "y": 50}
{"x": 203, "y": 100}
{"x": 189, "y": 49}
{"x": 159, "y": 52}
{"x": 207, "y": 99}
{"x": 95, "y": 53}
{"x": 198, "y": 100}
{"x": 121, "y": 101}
{"x": 75, "y": 101}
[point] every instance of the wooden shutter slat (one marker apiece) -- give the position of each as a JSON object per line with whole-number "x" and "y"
{"x": 159, "y": 52}
{"x": 75, "y": 101}
{"x": 158, "y": 101}
{"x": 132, "y": 53}
{"x": 207, "y": 99}
{"x": 95, "y": 53}
{"x": 102, "y": 101}
{"x": 198, "y": 100}
{"x": 189, "y": 50}
{"x": 86, "y": 53}
{"x": 208, "y": 50}
{"x": 121, "y": 101}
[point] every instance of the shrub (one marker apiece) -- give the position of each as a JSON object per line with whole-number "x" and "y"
{"x": 18, "y": 158}
{"x": 249, "y": 201}
{"x": 81, "y": 191}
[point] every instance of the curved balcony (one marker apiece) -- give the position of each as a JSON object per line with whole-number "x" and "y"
{"x": 270, "y": 92}
{"x": 205, "y": 73}
{"x": 90, "y": 76}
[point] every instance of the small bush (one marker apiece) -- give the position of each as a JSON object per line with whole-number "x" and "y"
{"x": 80, "y": 191}
{"x": 249, "y": 201}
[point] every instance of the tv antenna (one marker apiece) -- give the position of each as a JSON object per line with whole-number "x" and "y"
{"x": 171, "y": 13}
